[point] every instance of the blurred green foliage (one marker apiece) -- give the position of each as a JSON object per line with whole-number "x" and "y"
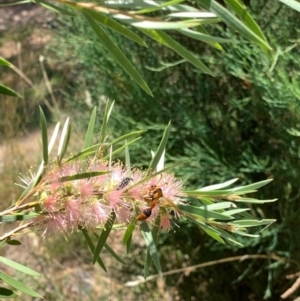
{"x": 245, "y": 123}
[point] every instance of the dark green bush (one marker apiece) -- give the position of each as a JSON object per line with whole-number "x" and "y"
{"x": 242, "y": 123}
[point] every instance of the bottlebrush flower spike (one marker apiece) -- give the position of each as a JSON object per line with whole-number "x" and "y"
{"x": 68, "y": 203}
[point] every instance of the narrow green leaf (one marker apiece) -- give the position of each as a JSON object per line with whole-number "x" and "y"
{"x": 53, "y": 138}
{"x": 229, "y": 238}
{"x": 194, "y": 14}
{"x": 252, "y": 187}
{"x": 54, "y": 8}
{"x": 128, "y": 236}
{"x": 235, "y": 211}
{"x": 7, "y": 293}
{"x": 211, "y": 40}
{"x": 8, "y": 91}
{"x": 220, "y": 206}
{"x": 121, "y": 148}
{"x": 84, "y": 175}
{"x": 127, "y": 157}
{"x": 252, "y": 223}
{"x": 241, "y": 10}
{"x": 254, "y": 201}
{"x": 160, "y": 149}
{"x": 158, "y": 7}
{"x": 200, "y": 194}
{"x": 37, "y": 177}
{"x": 108, "y": 107}
{"x": 43, "y": 124}
{"x": 246, "y": 234}
{"x": 155, "y": 232}
{"x": 19, "y": 285}
{"x": 165, "y": 39}
{"x": 90, "y": 130}
{"x": 64, "y": 140}
{"x": 203, "y": 213}
{"x": 218, "y": 186}
{"x": 13, "y": 242}
{"x": 103, "y": 237}
{"x": 19, "y": 267}
{"x": 92, "y": 248}
{"x": 4, "y": 62}
{"x": 151, "y": 246}
{"x": 125, "y": 137}
{"x": 292, "y": 3}
{"x": 113, "y": 253}
{"x": 165, "y": 65}
{"x": 116, "y": 26}
{"x": 214, "y": 235}
{"x": 235, "y": 23}
{"x": 17, "y": 217}
{"x": 118, "y": 55}
{"x": 167, "y": 25}
{"x": 83, "y": 154}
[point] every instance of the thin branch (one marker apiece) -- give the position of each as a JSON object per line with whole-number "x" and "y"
{"x": 292, "y": 289}
{"x": 190, "y": 269}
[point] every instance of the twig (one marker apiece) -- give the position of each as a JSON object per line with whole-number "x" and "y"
{"x": 190, "y": 269}
{"x": 292, "y": 289}
{"x": 8, "y": 234}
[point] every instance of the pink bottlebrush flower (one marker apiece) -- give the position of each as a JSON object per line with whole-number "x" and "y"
{"x": 165, "y": 222}
{"x": 73, "y": 213}
{"x": 52, "y": 224}
{"x": 114, "y": 198}
{"x": 97, "y": 214}
{"x": 138, "y": 191}
{"x": 85, "y": 189}
{"x": 88, "y": 203}
{"x": 123, "y": 214}
{"x": 50, "y": 204}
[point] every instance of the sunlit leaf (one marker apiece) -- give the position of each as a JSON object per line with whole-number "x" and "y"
{"x": 166, "y": 25}
{"x": 203, "y": 213}
{"x": 84, "y": 175}
{"x": 64, "y": 140}
{"x": 53, "y": 138}
{"x": 108, "y": 108}
{"x": 55, "y": 8}
{"x": 251, "y": 187}
{"x": 158, "y": 6}
{"x": 292, "y": 3}
{"x": 252, "y": 223}
{"x": 151, "y": 246}
{"x": 116, "y": 26}
{"x": 19, "y": 285}
{"x": 118, "y": 55}
{"x": 90, "y": 130}
{"x": 166, "y": 40}
{"x": 155, "y": 232}
{"x": 160, "y": 149}
{"x": 43, "y": 124}
{"x": 241, "y": 10}
{"x": 232, "y": 21}
{"x": 19, "y": 267}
